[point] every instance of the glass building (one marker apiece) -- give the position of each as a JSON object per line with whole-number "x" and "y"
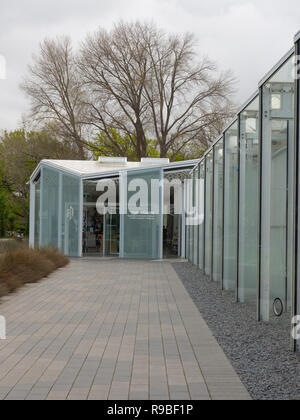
{"x": 65, "y": 211}
{"x": 239, "y": 216}
{"x": 250, "y": 243}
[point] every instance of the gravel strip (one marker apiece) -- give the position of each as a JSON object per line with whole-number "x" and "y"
{"x": 259, "y": 352}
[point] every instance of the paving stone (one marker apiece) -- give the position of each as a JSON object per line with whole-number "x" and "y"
{"x": 110, "y": 329}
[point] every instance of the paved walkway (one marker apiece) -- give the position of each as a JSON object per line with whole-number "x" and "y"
{"x": 111, "y": 329}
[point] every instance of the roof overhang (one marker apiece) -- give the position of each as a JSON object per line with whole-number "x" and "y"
{"x": 173, "y": 166}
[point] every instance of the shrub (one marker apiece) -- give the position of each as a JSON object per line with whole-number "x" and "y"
{"x": 57, "y": 258}
{"x": 24, "y": 265}
{"x": 4, "y": 290}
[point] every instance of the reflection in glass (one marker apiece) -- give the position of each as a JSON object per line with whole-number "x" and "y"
{"x": 277, "y": 170}
{"x": 37, "y": 214}
{"x": 202, "y": 221}
{"x": 101, "y": 234}
{"x": 196, "y": 226}
{"x": 249, "y": 203}
{"x": 208, "y": 213}
{"x": 218, "y": 212}
{"x": 49, "y": 216}
{"x": 70, "y": 215}
{"x": 230, "y": 207}
{"x": 142, "y": 232}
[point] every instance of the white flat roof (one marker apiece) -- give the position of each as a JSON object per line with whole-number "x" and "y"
{"x": 90, "y": 168}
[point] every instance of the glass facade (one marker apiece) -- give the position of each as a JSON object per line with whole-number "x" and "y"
{"x": 49, "y": 208}
{"x": 37, "y": 204}
{"x": 231, "y": 173}
{"x": 196, "y": 226}
{"x": 70, "y": 215}
{"x": 202, "y": 215}
{"x": 248, "y": 195}
{"x": 296, "y": 242}
{"x": 142, "y": 230}
{"x": 56, "y": 211}
{"x": 208, "y": 213}
{"x": 277, "y": 170}
{"x": 218, "y": 211}
{"x": 249, "y": 203}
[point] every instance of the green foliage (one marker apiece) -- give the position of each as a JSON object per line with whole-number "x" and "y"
{"x": 20, "y": 153}
{"x": 118, "y": 145}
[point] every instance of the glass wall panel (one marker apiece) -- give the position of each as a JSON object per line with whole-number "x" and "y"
{"x": 218, "y": 211}
{"x": 101, "y": 234}
{"x": 37, "y": 214}
{"x": 196, "y": 226}
{"x": 192, "y": 204}
{"x": 190, "y": 226}
{"x": 187, "y": 226}
{"x": 142, "y": 232}
{"x": 208, "y": 213}
{"x": 230, "y": 207}
{"x": 277, "y": 169}
{"x": 249, "y": 203}
{"x": 49, "y": 216}
{"x": 202, "y": 207}
{"x": 70, "y": 215}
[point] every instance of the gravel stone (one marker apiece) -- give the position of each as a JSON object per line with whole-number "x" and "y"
{"x": 259, "y": 352}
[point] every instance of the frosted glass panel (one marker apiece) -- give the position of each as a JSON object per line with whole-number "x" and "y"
{"x": 249, "y": 203}
{"x": 208, "y": 213}
{"x": 37, "y": 214}
{"x": 142, "y": 232}
{"x": 49, "y": 216}
{"x": 277, "y": 171}
{"x": 70, "y": 215}
{"x": 196, "y": 227}
{"x": 202, "y": 206}
{"x": 218, "y": 212}
{"x": 230, "y": 208}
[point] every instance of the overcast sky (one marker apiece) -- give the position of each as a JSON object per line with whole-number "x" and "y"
{"x": 246, "y": 36}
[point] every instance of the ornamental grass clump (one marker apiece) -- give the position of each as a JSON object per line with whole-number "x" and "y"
{"x": 25, "y": 265}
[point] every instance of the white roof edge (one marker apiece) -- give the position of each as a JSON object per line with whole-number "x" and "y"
{"x": 51, "y": 164}
{"x": 273, "y": 70}
{"x": 115, "y": 172}
{"x": 172, "y": 165}
{"x": 248, "y": 102}
{"x": 35, "y": 172}
{"x": 297, "y": 37}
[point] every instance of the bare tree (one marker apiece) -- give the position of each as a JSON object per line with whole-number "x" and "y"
{"x": 136, "y": 81}
{"x": 142, "y": 80}
{"x": 114, "y": 66}
{"x": 56, "y": 91}
{"x": 185, "y": 96}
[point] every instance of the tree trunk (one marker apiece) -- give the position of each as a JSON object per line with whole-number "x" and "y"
{"x": 141, "y": 142}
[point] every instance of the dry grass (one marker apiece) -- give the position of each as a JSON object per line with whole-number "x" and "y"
{"x": 12, "y": 245}
{"x": 22, "y": 266}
